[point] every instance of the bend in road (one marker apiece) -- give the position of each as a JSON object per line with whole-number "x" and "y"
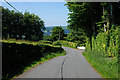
{"x": 72, "y": 65}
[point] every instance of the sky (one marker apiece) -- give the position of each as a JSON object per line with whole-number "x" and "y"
{"x": 52, "y": 13}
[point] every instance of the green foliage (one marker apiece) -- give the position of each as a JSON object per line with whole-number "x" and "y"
{"x": 47, "y": 38}
{"x": 44, "y": 42}
{"x": 107, "y": 44}
{"x": 78, "y": 37}
{"x": 87, "y": 45}
{"x": 101, "y": 42}
{"x": 56, "y": 43}
{"x": 40, "y": 42}
{"x": 96, "y": 19}
{"x": 21, "y": 26}
{"x": 68, "y": 44}
{"x": 114, "y": 41}
{"x": 55, "y": 33}
{"x": 92, "y": 17}
{"x": 84, "y": 15}
{"x": 106, "y": 67}
{"x": 111, "y": 10}
{"x": 20, "y": 56}
{"x": 104, "y": 53}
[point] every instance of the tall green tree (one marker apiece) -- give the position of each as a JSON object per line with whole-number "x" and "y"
{"x": 32, "y": 26}
{"x": 78, "y": 36}
{"x": 110, "y": 15}
{"x": 11, "y": 23}
{"x": 56, "y": 31}
{"x": 17, "y": 25}
{"x": 87, "y": 15}
{"x": 84, "y": 16}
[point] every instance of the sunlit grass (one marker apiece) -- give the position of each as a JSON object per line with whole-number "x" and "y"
{"x": 106, "y": 66}
{"x": 47, "y": 57}
{"x": 41, "y": 42}
{"x": 68, "y": 44}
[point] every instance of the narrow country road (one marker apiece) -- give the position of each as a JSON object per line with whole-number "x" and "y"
{"x": 72, "y": 65}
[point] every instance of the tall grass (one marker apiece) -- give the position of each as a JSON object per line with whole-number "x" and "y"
{"x": 106, "y": 66}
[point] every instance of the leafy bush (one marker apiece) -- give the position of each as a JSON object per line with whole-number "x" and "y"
{"x": 69, "y": 44}
{"x": 56, "y": 43}
{"x": 15, "y": 25}
{"x": 87, "y": 44}
{"x": 107, "y": 44}
{"x": 55, "y": 33}
{"x": 114, "y": 41}
{"x": 47, "y": 38}
{"x": 101, "y": 42}
{"x": 104, "y": 53}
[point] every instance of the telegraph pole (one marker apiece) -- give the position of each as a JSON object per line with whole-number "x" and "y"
{"x": 59, "y": 35}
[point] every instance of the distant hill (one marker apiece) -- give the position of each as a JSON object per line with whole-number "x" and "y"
{"x": 48, "y": 30}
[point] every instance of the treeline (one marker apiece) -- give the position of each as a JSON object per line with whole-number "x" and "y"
{"x": 25, "y": 26}
{"x": 74, "y": 37}
{"x": 93, "y": 19}
{"x": 101, "y": 25}
{"x": 77, "y": 36}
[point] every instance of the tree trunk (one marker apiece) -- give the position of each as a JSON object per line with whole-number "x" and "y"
{"x": 111, "y": 13}
{"x": 104, "y": 19}
{"x": 93, "y": 28}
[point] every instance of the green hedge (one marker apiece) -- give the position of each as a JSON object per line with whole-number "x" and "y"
{"x": 56, "y": 43}
{"x": 69, "y": 44}
{"x": 15, "y": 57}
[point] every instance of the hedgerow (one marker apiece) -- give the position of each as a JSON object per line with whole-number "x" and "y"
{"x": 16, "y": 56}
{"x": 67, "y": 43}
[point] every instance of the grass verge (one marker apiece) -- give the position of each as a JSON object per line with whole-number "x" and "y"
{"x": 70, "y": 46}
{"x": 107, "y": 67}
{"x": 46, "y": 57}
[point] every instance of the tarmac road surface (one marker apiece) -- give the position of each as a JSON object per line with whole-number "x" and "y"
{"x": 72, "y": 65}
